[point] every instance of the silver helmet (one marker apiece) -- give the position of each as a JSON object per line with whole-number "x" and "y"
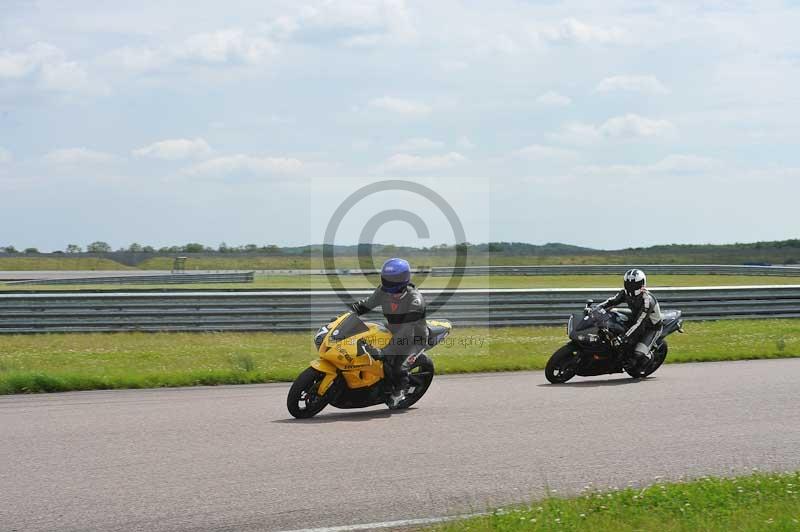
{"x": 634, "y": 281}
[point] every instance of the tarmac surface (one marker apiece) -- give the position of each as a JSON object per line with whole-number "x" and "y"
{"x": 230, "y": 458}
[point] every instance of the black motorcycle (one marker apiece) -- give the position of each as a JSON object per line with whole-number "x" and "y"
{"x": 592, "y": 351}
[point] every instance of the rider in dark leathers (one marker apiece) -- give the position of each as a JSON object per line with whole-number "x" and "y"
{"x": 645, "y": 313}
{"x": 404, "y": 308}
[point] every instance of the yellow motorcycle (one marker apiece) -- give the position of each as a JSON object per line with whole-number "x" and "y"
{"x": 347, "y": 376}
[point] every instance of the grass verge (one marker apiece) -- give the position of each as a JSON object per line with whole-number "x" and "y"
{"x": 62, "y": 362}
{"x": 756, "y": 502}
{"x": 59, "y": 263}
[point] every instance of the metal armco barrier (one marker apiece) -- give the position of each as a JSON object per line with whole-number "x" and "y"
{"x": 176, "y": 278}
{"x": 296, "y": 311}
{"x": 619, "y": 269}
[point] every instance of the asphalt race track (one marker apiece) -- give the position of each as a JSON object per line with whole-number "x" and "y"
{"x": 228, "y": 458}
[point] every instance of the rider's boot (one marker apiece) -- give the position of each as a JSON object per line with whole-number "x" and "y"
{"x": 395, "y": 399}
{"x": 641, "y": 356}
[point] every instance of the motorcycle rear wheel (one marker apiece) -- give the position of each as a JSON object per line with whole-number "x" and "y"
{"x": 659, "y": 355}
{"x": 562, "y": 365}
{"x": 302, "y": 401}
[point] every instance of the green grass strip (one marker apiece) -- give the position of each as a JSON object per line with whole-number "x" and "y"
{"x": 756, "y": 502}
{"x": 61, "y": 362}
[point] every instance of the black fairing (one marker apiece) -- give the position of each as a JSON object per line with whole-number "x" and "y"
{"x": 360, "y": 398}
{"x": 589, "y": 334}
{"x": 585, "y": 327}
{"x": 582, "y": 323}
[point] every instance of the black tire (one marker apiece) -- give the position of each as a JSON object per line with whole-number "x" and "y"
{"x": 659, "y": 355}
{"x": 420, "y": 378}
{"x": 302, "y": 401}
{"x": 562, "y": 365}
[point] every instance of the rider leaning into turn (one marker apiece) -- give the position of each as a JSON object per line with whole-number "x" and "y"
{"x": 645, "y": 314}
{"x": 404, "y": 309}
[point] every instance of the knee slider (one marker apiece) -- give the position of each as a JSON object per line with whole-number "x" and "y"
{"x": 641, "y": 350}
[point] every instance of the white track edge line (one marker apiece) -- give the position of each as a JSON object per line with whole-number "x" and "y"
{"x": 388, "y": 524}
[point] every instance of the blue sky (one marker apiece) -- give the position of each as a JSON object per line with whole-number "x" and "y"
{"x": 607, "y": 124}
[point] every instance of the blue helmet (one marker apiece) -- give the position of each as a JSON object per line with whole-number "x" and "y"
{"x": 395, "y": 275}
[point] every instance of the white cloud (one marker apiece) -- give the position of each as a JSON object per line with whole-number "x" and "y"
{"x": 571, "y": 30}
{"x": 541, "y": 152}
{"x": 16, "y": 65}
{"x": 403, "y": 162}
{"x": 673, "y": 165}
{"x": 576, "y": 133}
{"x": 174, "y": 149}
{"x": 419, "y": 144}
{"x": 685, "y": 164}
{"x": 645, "y": 84}
{"x": 553, "y": 99}
{"x": 634, "y": 126}
{"x": 245, "y": 165}
{"x": 226, "y": 46}
{"x": 351, "y": 24}
{"x": 47, "y": 68}
{"x": 233, "y": 46}
{"x": 400, "y": 106}
{"x": 625, "y": 127}
{"x": 75, "y": 156}
{"x": 465, "y": 143}
{"x": 5, "y": 156}
{"x": 138, "y": 59}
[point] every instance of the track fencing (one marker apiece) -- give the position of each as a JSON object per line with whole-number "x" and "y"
{"x": 619, "y": 269}
{"x": 167, "y": 278}
{"x": 299, "y": 310}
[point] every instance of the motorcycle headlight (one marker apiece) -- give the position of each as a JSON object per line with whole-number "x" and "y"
{"x": 320, "y": 336}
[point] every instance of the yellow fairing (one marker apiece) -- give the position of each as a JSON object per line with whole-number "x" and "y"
{"x": 358, "y": 370}
{"x": 330, "y": 374}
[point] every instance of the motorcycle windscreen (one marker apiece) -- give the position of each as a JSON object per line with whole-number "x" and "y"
{"x": 350, "y": 326}
{"x": 581, "y": 322}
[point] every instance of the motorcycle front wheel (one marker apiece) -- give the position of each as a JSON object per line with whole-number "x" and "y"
{"x": 303, "y": 401}
{"x": 562, "y": 365}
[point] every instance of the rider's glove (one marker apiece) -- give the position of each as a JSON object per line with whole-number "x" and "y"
{"x": 365, "y": 349}
{"x": 618, "y": 341}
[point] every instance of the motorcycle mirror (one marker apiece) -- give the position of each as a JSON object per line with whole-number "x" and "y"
{"x": 589, "y": 302}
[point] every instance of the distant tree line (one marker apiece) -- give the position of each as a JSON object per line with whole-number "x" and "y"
{"x": 192, "y": 247}
{"x": 499, "y": 248}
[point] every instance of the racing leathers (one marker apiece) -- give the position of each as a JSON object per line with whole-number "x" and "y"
{"x": 646, "y": 321}
{"x": 405, "y": 316}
